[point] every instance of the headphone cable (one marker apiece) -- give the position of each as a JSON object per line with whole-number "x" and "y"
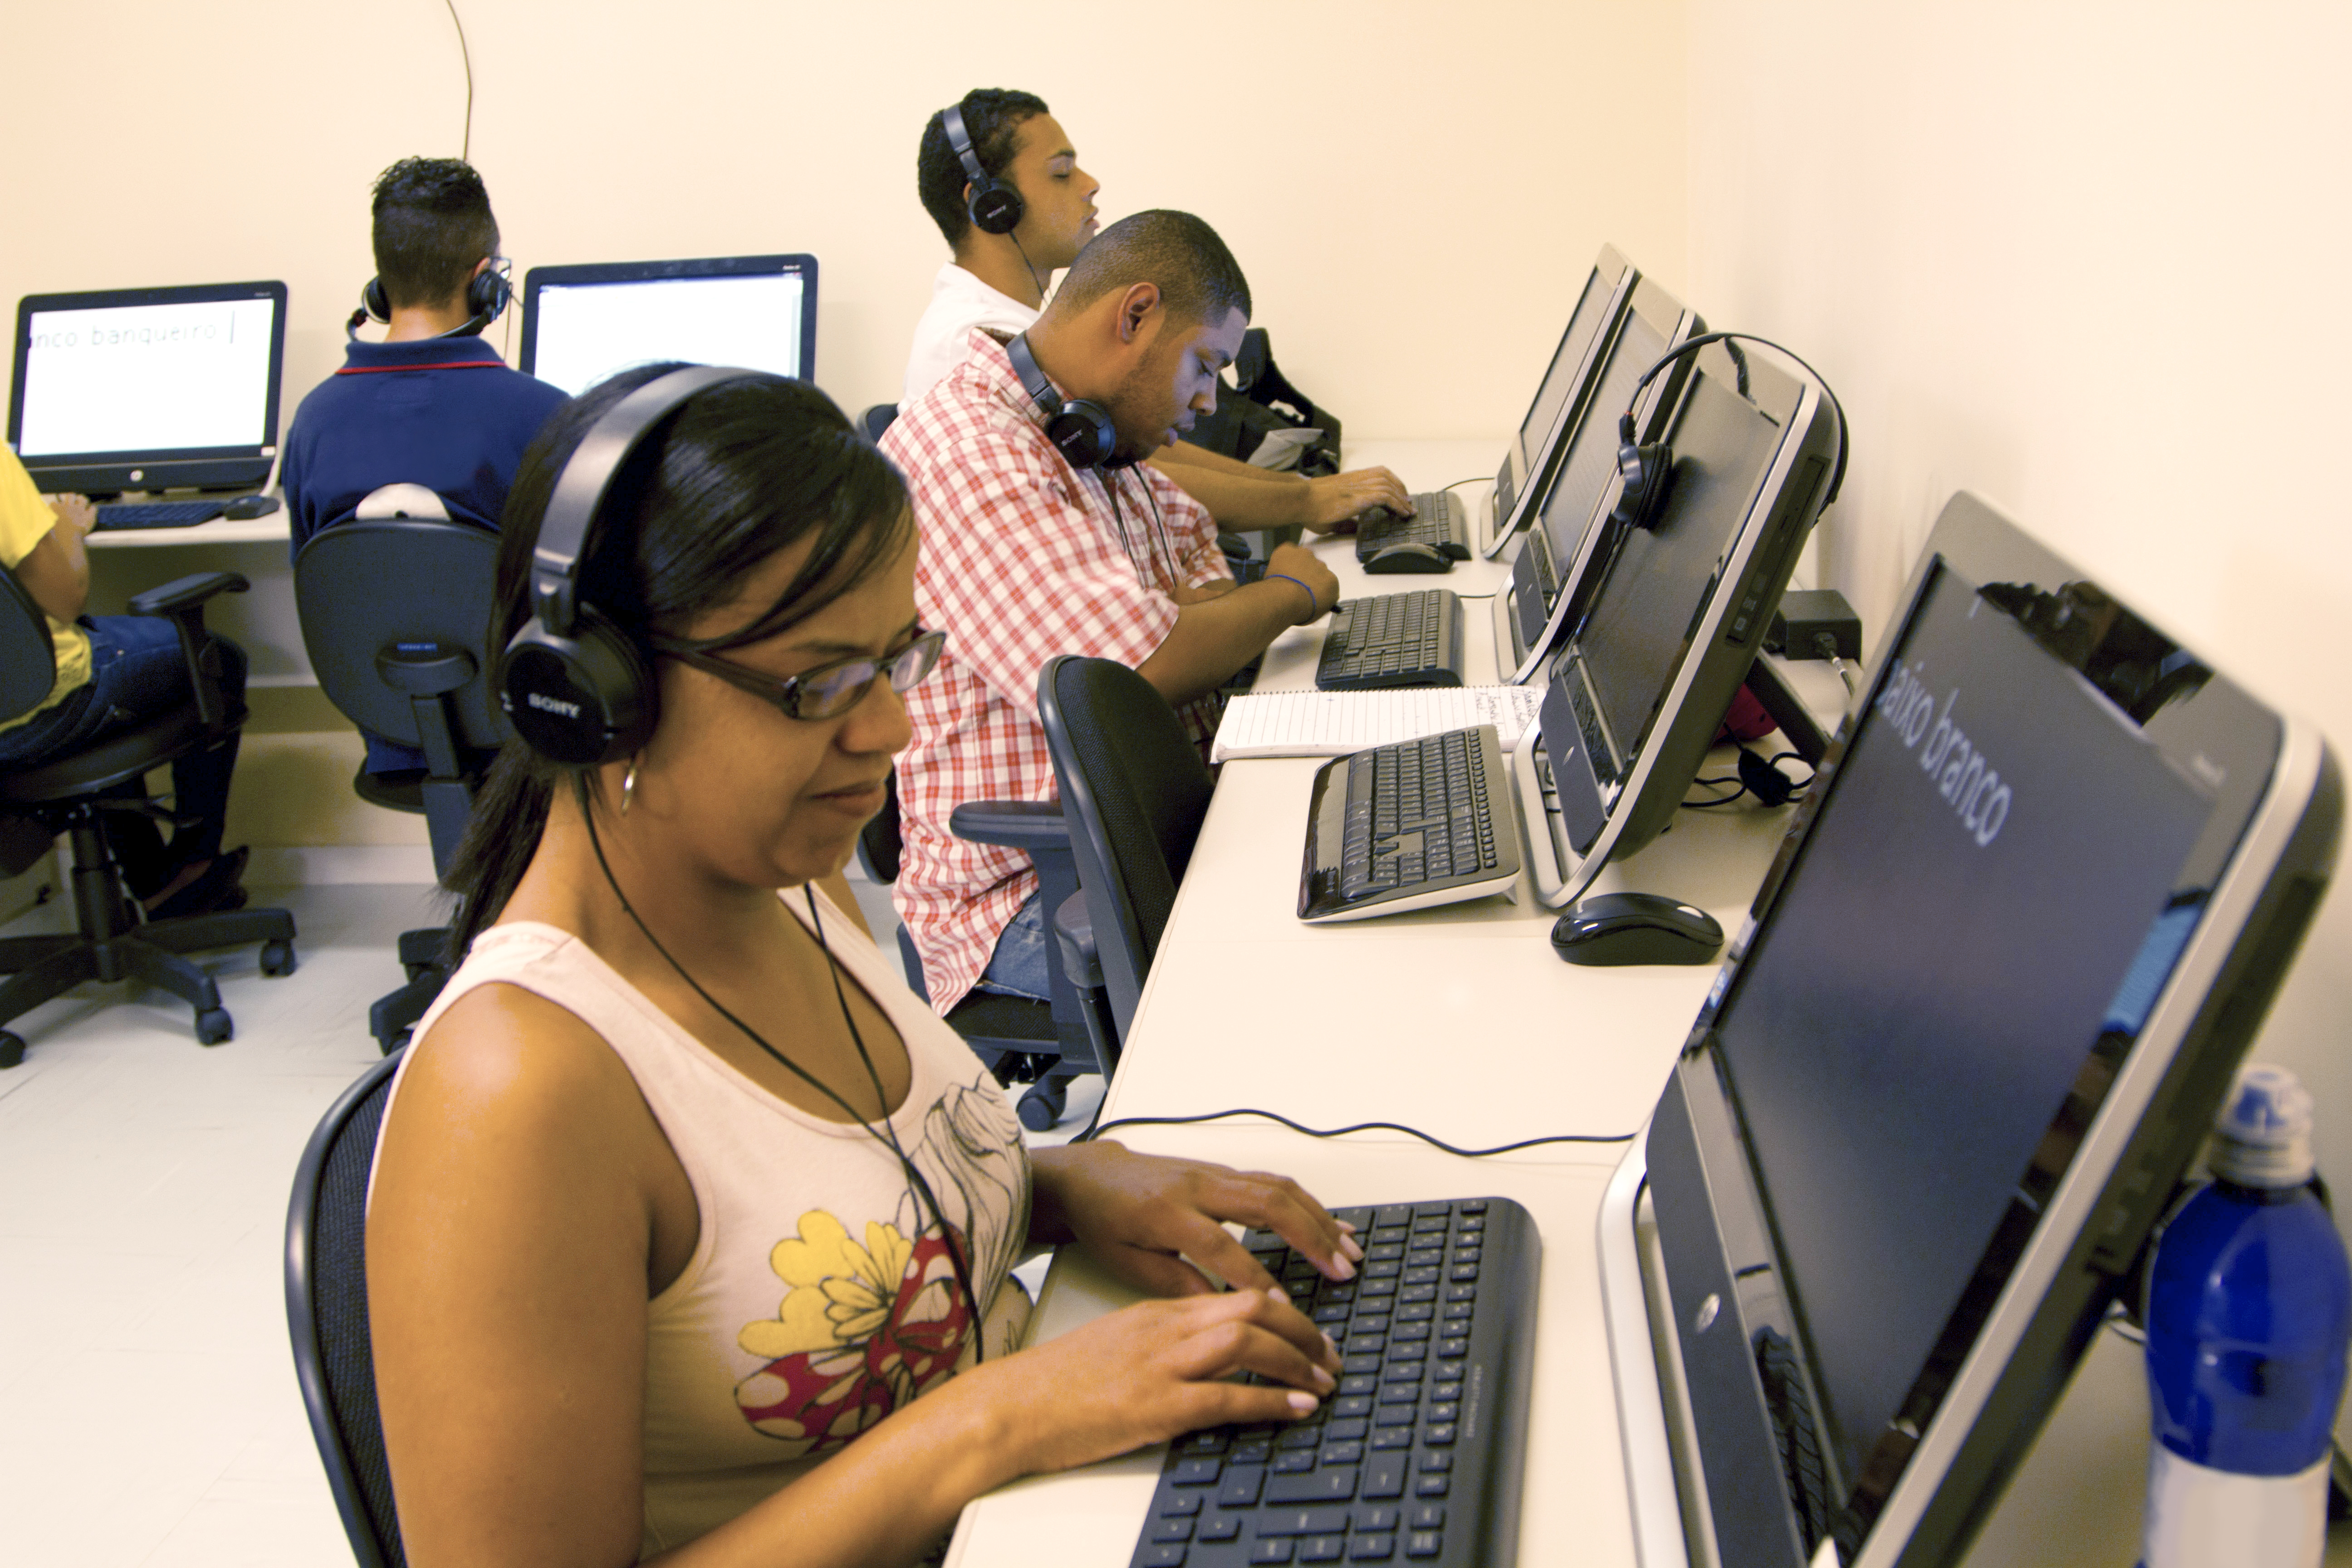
{"x": 887, "y": 1137}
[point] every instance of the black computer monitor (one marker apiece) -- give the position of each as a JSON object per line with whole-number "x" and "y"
{"x": 149, "y": 389}
{"x": 2026, "y": 923}
{"x": 580, "y": 324}
{"x": 1641, "y": 686}
{"x": 1549, "y": 584}
{"x": 1527, "y": 459}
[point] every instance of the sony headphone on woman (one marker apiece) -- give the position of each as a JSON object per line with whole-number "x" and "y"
{"x": 993, "y": 205}
{"x": 1647, "y": 468}
{"x": 1079, "y": 428}
{"x": 486, "y": 294}
{"x": 576, "y": 686}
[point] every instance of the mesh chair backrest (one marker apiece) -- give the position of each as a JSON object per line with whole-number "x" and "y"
{"x": 361, "y": 586}
{"x": 327, "y": 1313}
{"x": 1134, "y": 789}
{"x": 28, "y": 659}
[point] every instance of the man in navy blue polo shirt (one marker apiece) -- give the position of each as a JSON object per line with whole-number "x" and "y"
{"x": 432, "y": 405}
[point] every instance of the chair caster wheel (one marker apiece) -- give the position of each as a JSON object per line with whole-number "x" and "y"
{"x": 213, "y": 1027}
{"x": 278, "y": 957}
{"x": 1042, "y": 1106}
{"x": 12, "y": 1048}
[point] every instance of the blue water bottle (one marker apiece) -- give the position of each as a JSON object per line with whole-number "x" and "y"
{"x": 2249, "y": 1316}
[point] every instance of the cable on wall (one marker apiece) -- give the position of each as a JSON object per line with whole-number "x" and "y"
{"x": 466, "y": 145}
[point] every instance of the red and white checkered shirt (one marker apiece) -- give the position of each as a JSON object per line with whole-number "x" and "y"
{"x": 1023, "y": 557}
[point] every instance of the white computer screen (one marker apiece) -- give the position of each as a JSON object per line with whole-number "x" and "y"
{"x": 147, "y": 378}
{"x": 586, "y": 332}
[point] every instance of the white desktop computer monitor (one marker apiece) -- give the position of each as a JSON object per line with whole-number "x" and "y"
{"x": 581, "y": 324}
{"x": 148, "y": 389}
{"x": 2029, "y": 918}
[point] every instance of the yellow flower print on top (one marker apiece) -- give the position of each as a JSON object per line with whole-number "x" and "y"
{"x": 841, "y": 1292}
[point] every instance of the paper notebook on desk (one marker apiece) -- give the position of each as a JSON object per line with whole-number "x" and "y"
{"x": 1334, "y": 723}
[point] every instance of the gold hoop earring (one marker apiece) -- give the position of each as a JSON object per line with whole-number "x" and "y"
{"x": 629, "y": 785}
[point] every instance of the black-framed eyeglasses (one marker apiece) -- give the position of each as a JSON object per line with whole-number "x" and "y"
{"x": 826, "y": 693}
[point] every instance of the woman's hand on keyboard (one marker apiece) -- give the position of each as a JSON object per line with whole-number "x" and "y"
{"x": 1149, "y": 1371}
{"x": 1145, "y": 1216}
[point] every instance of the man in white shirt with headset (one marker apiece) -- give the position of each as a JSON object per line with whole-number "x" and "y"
{"x": 997, "y": 173}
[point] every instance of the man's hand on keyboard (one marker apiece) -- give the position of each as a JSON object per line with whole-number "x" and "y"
{"x": 1144, "y": 1215}
{"x": 1150, "y": 1372}
{"x": 1334, "y": 501}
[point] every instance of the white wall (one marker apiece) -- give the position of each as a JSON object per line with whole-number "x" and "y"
{"x": 2090, "y": 261}
{"x": 613, "y": 129}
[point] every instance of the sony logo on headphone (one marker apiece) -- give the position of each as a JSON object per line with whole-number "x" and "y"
{"x": 549, "y": 704}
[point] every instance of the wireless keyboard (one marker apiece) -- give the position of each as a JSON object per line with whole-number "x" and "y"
{"x": 158, "y": 513}
{"x": 1409, "y": 826}
{"x": 1416, "y": 1457}
{"x": 1438, "y": 519}
{"x": 1393, "y": 639}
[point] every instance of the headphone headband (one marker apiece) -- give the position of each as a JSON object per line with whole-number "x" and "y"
{"x": 961, "y": 140}
{"x": 579, "y": 490}
{"x": 1692, "y": 345}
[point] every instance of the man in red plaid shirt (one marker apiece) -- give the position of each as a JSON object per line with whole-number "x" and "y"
{"x": 1026, "y": 553}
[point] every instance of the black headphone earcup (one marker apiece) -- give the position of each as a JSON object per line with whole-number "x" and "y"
{"x": 1082, "y": 431}
{"x": 486, "y": 294}
{"x": 582, "y": 700}
{"x": 374, "y": 300}
{"x": 1645, "y": 471}
{"x": 995, "y": 206}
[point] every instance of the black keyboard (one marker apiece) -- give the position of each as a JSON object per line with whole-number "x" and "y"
{"x": 1416, "y": 1457}
{"x": 158, "y": 513}
{"x": 1393, "y": 639}
{"x": 1437, "y": 519}
{"x": 1408, "y": 825}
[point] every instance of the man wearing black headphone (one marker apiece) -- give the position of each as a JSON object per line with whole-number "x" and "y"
{"x": 997, "y": 173}
{"x": 1043, "y": 532}
{"x": 433, "y": 404}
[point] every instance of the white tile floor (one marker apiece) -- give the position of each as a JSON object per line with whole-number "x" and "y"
{"x": 148, "y": 1413}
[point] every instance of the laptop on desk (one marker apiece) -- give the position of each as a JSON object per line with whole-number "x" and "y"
{"x": 150, "y": 390}
{"x": 1999, "y": 979}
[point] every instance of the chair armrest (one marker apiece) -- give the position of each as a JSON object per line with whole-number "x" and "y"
{"x": 1031, "y": 825}
{"x": 186, "y": 593}
{"x": 181, "y": 601}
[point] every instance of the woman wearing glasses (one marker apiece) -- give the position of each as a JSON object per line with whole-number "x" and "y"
{"x": 682, "y": 1198}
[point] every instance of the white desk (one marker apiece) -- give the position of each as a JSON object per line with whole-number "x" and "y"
{"x": 1460, "y": 1021}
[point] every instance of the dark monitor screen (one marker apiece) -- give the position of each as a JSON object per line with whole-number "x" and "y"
{"x": 1560, "y": 381}
{"x": 1591, "y": 456}
{"x": 581, "y": 324}
{"x": 149, "y": 388}
{"x": 1917, "y": 1010}
{"x": 1642, "y": 616}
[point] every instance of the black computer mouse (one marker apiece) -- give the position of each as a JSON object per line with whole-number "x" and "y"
{"x": 1395, "y": 558}
{"x": 1635, "y": 928}
{"x": 247, "y": 507}
{"x": 1452, "y": 550}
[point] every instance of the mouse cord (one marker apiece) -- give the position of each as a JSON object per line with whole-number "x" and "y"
{"x": 1098, "y": 1127}
{"x": 885, "y": 1135}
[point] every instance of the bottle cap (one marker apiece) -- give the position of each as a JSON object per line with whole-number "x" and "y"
{"x": 2262, "y": 1137}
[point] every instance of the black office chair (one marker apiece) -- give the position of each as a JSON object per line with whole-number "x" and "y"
{"x": 876, "y": 419}
{"x": 396, "y": 611}
{"x": 1043, "y": 1045}
{"x": 327, "y": 1314}
{"x": 1134, "y": 792}
{"x": 110, "y": 941}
